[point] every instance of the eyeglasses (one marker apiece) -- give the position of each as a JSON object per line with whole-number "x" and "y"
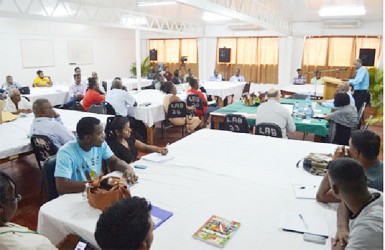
{"x": 15, "y": 199}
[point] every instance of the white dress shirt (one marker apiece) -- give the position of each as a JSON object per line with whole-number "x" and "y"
{"x": 120, "y": 100}
{"x": 235, "y": 78}
{"x": 11, "y": 107}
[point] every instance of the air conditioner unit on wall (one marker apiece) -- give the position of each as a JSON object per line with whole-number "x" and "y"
{"x": 341, "y": 23}
{"x": 243, "y": 26}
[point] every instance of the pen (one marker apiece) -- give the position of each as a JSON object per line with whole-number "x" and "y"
{"x": 304, "y": 222}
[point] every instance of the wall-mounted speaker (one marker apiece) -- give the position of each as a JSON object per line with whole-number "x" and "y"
{"x": 224, "y": 55}
{"x": 153, "y": 55}
{"x": 367, "y": 56}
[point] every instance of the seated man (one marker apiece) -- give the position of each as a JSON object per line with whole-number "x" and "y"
{"x": 216, "y": 77}
{"x": 17, "y": 104}
{"x": 317, "y": 79}
{"x": 41, "y": 80}
{"x": 360, "y": 214}
{"x": 237, "y": 77}
{"x": 10, "y": 84}
{"x": 273, "y": 112}
{"x": 190, "y": 74}
{"x": 126, "y": 224}
{"x": 300, "y": 79}
{"x": 119, "y": 98}
{"x": 206, "y": 109}
{"x": 343, "y": 87}
{"x": 93, "y": 94}
{"x": 83, "y": 80}
{"x": 176, "y": 78}
{"x": 167, "y": 74}
{"x": 76, "y": 91}
{"x": 364, "y": 146}
{"x": 77, "y": 160}
{"x": 47, "y": 122}
{"x": 13, "y": 236}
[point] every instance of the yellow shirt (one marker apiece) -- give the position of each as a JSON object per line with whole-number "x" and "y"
{"x": 315, "y": 81}
{"x": 38, "y": 82}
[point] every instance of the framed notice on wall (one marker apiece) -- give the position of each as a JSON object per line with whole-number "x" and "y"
{"x": 80, "y": 52}
{"x": 37, "y": 53}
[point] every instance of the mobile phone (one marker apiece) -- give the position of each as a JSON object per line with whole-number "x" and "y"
{"x": 140, "y": 166}
{"x": 82, "y": 244}
{"x": 314, "y": 238}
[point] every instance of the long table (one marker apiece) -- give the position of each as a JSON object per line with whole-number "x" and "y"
{"x": 223, "y": 89}
{"x": 237, "y": 176}
{"x": 130, "y": 83}
{"x": 15, "y": 134}
{"x": 57, "y": 94}
{"x": 318, "y": 127}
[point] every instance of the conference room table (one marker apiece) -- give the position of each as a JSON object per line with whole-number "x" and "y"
{"x": 15, "y": 134}
{"x": 315, "y": 90}
{"x": 223, "y": 89}
{"x": 57, "y": 94}
{"x": 130, "y": 83}
{"x": 319, "y": 127}
{"x": 242, "y": 177}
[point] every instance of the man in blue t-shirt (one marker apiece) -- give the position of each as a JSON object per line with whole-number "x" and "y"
{"x": 364, "y": 146}
{"x": 77, "y": 160}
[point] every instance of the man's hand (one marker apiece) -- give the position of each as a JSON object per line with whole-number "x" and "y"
{"x": 340, "y": 152}
{"x": 163, "y": 151}
{"x": 129, "y": 174}
{"x": 341, "y": 237}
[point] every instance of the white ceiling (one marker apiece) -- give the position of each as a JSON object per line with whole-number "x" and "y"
{"x": 276, "y": 15}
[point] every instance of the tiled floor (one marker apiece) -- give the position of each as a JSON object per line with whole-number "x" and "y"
{"x": 26, "y": 174}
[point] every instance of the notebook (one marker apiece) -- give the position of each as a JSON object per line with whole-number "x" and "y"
{"x": 159, "y": 215}
{"x": 302, "y": 222}
{"x": 305, "y": 191}
{"x": 217, "y": 231}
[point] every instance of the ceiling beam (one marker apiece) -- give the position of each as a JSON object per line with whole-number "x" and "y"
{"x": 250, "y": 11}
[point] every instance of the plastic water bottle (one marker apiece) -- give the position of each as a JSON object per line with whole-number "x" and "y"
{"x": 308, "y": 112}
{"x": 308, "y": 97}
{"x": 296, "y": 109}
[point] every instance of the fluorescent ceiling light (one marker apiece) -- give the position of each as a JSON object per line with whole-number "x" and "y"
{"x": 149, "y": 4}
{"x": 211, "y": 17}
{"x": 342, "y": 11}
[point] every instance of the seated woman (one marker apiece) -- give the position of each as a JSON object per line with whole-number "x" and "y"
{"x": 93, "y": 94}
{"x": 13, "y": 236}
{"x": 192, "y": 122}
{"x": 123, "y": 143}
{"x": 342, "y": 120}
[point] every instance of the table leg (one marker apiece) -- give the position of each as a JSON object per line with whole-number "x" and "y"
{"x": 150, "y": 135}
{"x": 216, "y": 119}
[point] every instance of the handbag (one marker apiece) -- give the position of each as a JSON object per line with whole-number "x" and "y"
{"x": 103, "y": 193}
{"x": 316, "y": 163}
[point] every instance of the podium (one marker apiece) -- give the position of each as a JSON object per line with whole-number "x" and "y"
{"x": 330, "y": 86}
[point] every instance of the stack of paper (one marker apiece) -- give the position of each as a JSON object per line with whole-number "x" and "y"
{"x": 156, "y": 157}
{"x": 305, "y": 191}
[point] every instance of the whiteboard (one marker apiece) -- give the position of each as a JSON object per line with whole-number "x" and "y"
{"x": 80, "y": 52}
{"x": 37, "y": 53}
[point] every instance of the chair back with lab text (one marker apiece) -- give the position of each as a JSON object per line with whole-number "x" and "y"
{"x": 43, "y": 148}
{"x": 268, "y": 129}
{"x": 49, "y": 178}
{"x": 236, "y": 123}
{"x": 195, "y": 101}
{"x": 175, "y": 110}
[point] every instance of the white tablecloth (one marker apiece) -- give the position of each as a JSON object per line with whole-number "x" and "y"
{"x": 304, "y": 89}
{"x": 237, "y": 176}
{"x": 130, "y": 83}
{"x": 223, "y": 89}
{"x": 15, "y": 134}
{"x": 57, "y": 94}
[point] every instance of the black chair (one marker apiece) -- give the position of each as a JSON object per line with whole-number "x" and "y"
{"x": 195, "y": 101}
{"x": 246, "y": 89}
{"x": 236, "y": 123}
{"x": 102, "y": 108}
{"x": 175, "y": 110}
{"x": 49, "y": 178}
{"x": 43, "y": 148}
{"x": 361, "y": 114}
{"x": 104, "y": 85}
{"x": 268, "y": 129}
{"x": 342, "y": 135}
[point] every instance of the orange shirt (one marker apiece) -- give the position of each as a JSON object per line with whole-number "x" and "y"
{"x": 92, "y": 96}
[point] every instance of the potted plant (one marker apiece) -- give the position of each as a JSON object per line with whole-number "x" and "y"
{"x": 145, "y": 67}
{"x": 376, "y": 79}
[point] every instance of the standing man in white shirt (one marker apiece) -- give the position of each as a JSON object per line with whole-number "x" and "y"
{"x": 216, "y": 77}
{"x": 237, "y": 77}
{"x": 273, "y": 112}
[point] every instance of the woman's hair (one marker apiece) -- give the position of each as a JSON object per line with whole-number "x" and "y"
{"x": 5, "y": 184}
{"x": 341, "y": 99}
{"x": 167, "y": 87}
{"x": 114, "y": 123}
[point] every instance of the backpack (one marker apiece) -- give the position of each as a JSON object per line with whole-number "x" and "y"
{"x": 316, "y": 163}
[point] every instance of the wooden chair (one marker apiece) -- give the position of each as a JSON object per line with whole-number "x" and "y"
{"x": 268, "y": 129}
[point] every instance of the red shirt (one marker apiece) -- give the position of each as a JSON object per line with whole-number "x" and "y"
{"x": 92, "y": 96}
{"x": 203, "y": 98}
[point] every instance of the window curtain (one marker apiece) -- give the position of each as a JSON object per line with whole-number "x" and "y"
{"x": 256, "y": 57}
{"x": 329, "y": 53}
